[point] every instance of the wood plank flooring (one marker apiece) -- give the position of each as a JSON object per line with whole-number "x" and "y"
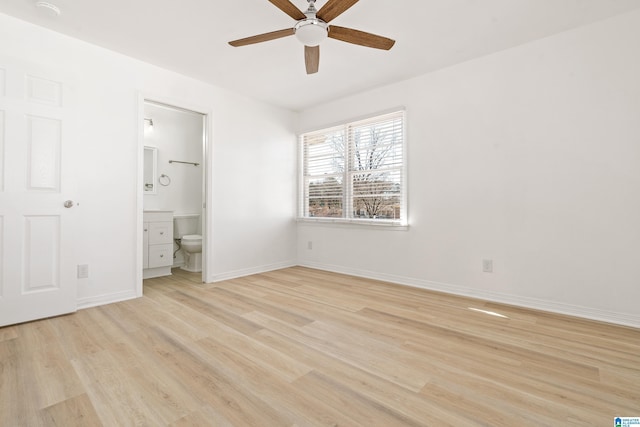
{"x": 301, "y": 347}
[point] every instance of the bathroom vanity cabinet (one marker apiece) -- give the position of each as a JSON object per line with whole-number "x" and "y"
{"x": 158, "y": 244}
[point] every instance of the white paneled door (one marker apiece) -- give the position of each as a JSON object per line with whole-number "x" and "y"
{"x": 37, "y": 271}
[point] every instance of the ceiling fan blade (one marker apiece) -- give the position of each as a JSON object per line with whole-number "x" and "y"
{"x": 287, "y": 7}
{"x": 333, "y": 8}
{"x": 263, "y": 37}
{"x": 361, "y": 38}
{"x": 312, "y": 58}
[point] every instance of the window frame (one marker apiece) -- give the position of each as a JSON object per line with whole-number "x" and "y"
{"x": 348, "y": 218}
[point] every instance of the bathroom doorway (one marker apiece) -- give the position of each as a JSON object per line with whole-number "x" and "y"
{"x": 174, "y": 170}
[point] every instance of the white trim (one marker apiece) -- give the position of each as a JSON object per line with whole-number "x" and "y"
{"x": 139, "y": 192}
{"x": 151, "y": 273}
{"x": 106, "y": 299}
{"x": 525, "y": 302}
{"x": 349, "y": 222}
{"x": 249, "y": 271}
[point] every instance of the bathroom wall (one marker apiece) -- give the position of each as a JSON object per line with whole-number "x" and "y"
{"x": 177, "y": 135}
{"x": 529, "y": 157}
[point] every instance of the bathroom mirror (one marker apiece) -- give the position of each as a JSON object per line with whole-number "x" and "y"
{"x": 150, "y": 174}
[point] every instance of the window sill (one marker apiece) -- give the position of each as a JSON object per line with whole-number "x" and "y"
{"x": 344, "y": 222}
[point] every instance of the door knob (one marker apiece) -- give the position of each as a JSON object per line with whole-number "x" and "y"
{"x": 68, "y": 204}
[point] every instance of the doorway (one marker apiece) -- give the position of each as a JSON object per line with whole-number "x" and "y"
{"x": 173, "y": 143}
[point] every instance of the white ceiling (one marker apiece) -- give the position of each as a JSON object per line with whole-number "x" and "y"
{"x": 190, "y": 37}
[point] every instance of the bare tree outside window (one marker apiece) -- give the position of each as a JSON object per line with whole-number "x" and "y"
{"x": 376, "y": 172}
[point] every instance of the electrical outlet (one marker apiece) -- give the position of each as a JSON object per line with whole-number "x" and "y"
{"x": 487, "y": 265}
{"x": 83, "y": 271}
{"x": 309, "y": 245}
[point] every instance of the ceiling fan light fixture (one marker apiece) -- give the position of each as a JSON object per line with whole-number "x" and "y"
{"x": 311, "y": 32}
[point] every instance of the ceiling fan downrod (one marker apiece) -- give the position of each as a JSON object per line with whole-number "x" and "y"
{"x": 312, "y": 9}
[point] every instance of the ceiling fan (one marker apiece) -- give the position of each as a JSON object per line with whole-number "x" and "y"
{"x": 312, "y": 27}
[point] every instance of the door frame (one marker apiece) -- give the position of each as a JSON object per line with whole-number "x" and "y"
{"x": 207, "y": 177}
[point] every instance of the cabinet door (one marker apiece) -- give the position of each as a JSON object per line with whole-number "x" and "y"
{"x": 160, "y": 232}
{"x": 160, "y": 255}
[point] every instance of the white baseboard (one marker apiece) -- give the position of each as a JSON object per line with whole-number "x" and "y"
{"x": 150, "y": 273}
{"x": 105, "y": 299}
{"x": 624, "y": 319}
{"x": 249, "y": 271}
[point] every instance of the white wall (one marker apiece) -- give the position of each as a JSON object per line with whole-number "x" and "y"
{"x": 255, "y": 189}
{"x": 529, "y": 157}
{"x": 178, "y": 136}
{"x": 108, "y": 85}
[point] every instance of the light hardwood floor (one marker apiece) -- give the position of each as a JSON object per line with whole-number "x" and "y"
{"x": 301, "y": 347}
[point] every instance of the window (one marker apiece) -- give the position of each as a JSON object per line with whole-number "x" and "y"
{"x": 355, "y": 172}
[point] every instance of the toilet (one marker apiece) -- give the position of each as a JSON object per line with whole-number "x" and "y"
{"x": 185, "y": 228}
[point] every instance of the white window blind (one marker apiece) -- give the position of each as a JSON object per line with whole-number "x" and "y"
{"x": 355, "y": 171}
